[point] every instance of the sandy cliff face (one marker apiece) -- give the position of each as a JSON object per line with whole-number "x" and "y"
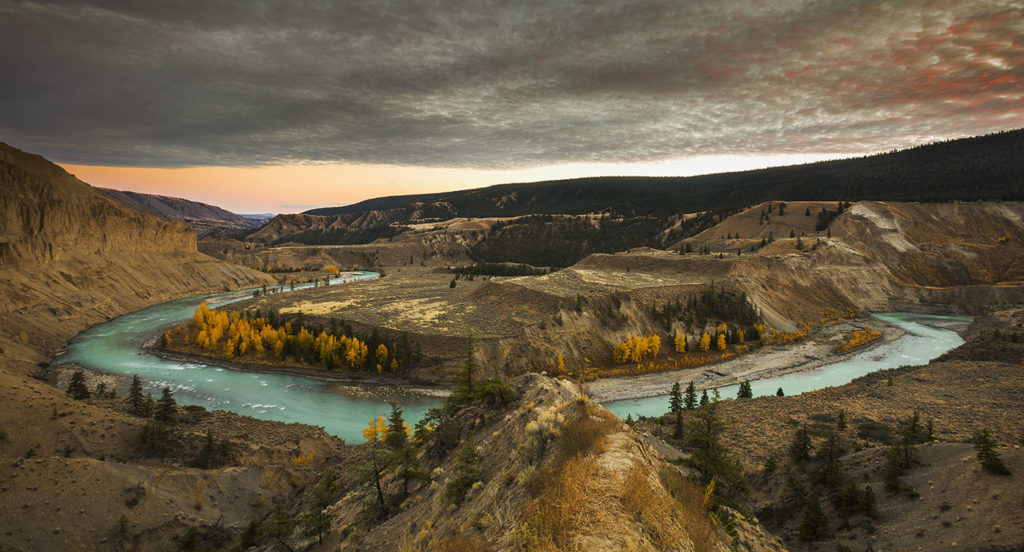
{"x": 70, "y": 257}
{"x": 922, "y": 257}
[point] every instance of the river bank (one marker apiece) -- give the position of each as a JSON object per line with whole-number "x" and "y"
{"x": 813, "y": 352}
{"x": 360, "y": 386}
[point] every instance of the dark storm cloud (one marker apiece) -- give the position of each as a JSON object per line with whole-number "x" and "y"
{"x": 488, "y": 84}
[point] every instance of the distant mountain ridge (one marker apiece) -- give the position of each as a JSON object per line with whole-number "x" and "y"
{"x": 206, "y": 219}
{"x": 984, "y": 167}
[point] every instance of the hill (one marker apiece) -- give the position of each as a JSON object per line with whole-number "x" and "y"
{"x": 70, "y": 258}
{"x": 617, "y": 213}
{"x": 984, "y": 167}
{"x": 206, "y": 219}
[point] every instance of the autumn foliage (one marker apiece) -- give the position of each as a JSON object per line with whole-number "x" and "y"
{"x": 858, "y": 338}
{"x": 230, "y": 335}
{"x": 636, "y": 349}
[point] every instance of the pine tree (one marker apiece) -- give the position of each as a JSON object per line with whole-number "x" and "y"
{"x": 675, "y": 401}
{"x": 704, "y": 398}
{"x": 985, "y": 445}
{"x": 465, "y": 474}
{"x": 780, "y": 393}
{"x": 136, "y": 401}
{"x": 148, "y": 406}
{"x": 77, "y": 388}
{"x": 465, "y": 383}
{"x": 166, "y": 407}
{"x": 401, "y": 452}
{"x": 814, "y": 525}
{"x": 894, "y": 469}
{"x": 317, "y": 521}
{"x": 207, "y": 453}
{"x": 281, "y": 525}
{"x": 800, "y": 450}
{"x": 691, "y": 397}
{"x": 745, "y": 392}
{"x": 868, "y": 503}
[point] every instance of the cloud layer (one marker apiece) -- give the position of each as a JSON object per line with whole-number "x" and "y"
{"x": 490, "y": 84}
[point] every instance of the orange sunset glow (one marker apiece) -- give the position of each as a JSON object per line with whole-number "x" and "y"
{"x": 296, "y": 188}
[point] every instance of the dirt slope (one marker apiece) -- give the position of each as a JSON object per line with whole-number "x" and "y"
{"x": 921, "y": 257}
{"x": 71, "y": 258}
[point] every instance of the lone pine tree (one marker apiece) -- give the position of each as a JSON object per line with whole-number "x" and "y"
{"x": 691, "y": 397}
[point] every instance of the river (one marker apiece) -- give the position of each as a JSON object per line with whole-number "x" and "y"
{"x": 116, "y": 347}
{"x": 344, "y": 410}
{"x": 920, "y": 344}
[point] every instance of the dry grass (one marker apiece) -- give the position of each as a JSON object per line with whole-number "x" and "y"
{"x": 563, "y": 509}
{"x": 427, "y": 541}
{"x": 586, "y": 433}
{"x": 669, "y": 523}
{"x": 565, "y": 502}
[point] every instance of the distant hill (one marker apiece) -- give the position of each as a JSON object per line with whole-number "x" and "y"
{"x": 985, "y": 167}
{"x": 649, "y": 211}
{"x": 206, "y": 219}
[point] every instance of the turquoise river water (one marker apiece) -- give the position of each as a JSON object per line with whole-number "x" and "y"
{"x": 920, "y": 344}
{"x": 117, "y": 347}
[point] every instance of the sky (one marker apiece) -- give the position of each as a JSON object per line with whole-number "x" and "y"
{"x": 262, "y": 106}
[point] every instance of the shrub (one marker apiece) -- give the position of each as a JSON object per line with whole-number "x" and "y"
{"x": 987, "y": 455}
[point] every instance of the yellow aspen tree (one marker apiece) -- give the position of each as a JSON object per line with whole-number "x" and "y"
{"x": 680, "y": 343}
{"x": 705, "y": 342}
{"x": 739, "y": 335}
{"x": 654, "y": 345}
{"x": 375, "y": 431}
{"x": 721, "y": 342}
{"x": 382, "y": 355}
{"x": 560, "y": 363}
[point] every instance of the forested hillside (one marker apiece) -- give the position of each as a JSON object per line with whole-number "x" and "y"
{"x": 985, "y": 167}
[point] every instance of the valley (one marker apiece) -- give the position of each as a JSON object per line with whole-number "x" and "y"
{"x": 508, "y": 333}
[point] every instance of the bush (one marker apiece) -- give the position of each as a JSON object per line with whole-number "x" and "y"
{"x": 987, "y": 455}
